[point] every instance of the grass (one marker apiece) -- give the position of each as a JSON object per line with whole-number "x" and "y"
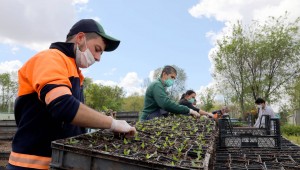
{"x": 293, "y": 138}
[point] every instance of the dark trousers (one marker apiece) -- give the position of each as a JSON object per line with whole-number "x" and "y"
{"x": 12, "y": 167}
{"x": 157, "y": 113}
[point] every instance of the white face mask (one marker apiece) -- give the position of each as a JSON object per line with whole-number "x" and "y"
{"x": 84, "y": 59}
{"x": 259, "y": 106}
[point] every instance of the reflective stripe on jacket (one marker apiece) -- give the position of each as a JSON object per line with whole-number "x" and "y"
{"x": 29, "y": 161}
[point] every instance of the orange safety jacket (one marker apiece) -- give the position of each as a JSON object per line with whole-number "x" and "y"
{"x": 40, "y": 123}
{"x": 217, "y": 114}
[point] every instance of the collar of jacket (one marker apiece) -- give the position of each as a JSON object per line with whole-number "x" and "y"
{"x": 159, "y": 79}
{"x": 66, "y": 48}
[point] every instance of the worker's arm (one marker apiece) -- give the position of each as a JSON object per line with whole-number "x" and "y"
{"x": 205, "y": 113}
{"x": 88, "y": 117}
{"x": 63, "y": 106}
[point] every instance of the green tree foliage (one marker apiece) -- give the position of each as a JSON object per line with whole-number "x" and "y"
{"x": 207, "y": 98}
{"x": 258, "y": 60}
{"x": 178, "y": 87}
{"x": 135, "y": 102}
{"x": 100, "y": 97}
{"x": 9, "y": 89}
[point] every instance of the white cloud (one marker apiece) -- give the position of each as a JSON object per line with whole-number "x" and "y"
{"x": 14, "y": 50}
{"x": 79, "y": 2}
{"x": 232, "y": 10}
{"x": 106, "y": 82}
{"x": 35, "y": 24}
{"x": 131, "y": 83}
{"x": 10, "y": 66}
{"x": 111, "y": 72}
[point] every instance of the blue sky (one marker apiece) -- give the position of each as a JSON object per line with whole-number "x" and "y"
{"x": 152, "y": 33}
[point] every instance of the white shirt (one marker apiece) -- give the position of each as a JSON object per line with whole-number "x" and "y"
{"x": 265, "y": 111}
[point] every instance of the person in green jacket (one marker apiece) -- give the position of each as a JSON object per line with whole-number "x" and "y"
{"x": 157, "y": 103}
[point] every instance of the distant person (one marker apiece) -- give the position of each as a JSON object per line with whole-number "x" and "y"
{"x": 188, "y": 99}
{"x": 217, "y": 114}
{"x": 263, "y": 109}
{"x": 157, "y": 103}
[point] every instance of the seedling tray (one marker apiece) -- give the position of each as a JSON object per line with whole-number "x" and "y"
{"x": 175, "y": 142}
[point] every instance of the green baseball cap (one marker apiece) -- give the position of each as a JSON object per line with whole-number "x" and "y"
{"x": 90, "y": 25}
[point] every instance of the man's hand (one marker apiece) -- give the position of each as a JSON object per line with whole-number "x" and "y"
{"x": 194, "y": 113}
{"x": 122, "y": 126}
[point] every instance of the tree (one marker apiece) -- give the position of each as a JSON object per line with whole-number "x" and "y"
{"x": 9, "y": 88}
{"x": 100, "y": 97}
{"x": 207, "y": 98}
{"x": 135, "y": 102}
{"x": 178, "y": 87}
{"x": 259, "y": 60}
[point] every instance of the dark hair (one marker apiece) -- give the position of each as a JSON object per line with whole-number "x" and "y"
{"x": 259, "y": 101}
{"x": 189, "y": 92}
{"x": 168, "y": 70}
{"x": 182, "y": 96}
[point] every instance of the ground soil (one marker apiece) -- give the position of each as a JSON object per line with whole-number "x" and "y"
{"x": 5, "y": 147}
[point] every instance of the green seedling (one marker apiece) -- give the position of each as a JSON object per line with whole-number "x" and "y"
{"x": 167, "y": 138}
{"x": 136, "y": 137}
{"x": 199, "y": 157}
{"x": 158, "y": 133}
{"x": 105, "y": 148}
{"x": 157, "y": 146}
{"x": 134, "y": 149}
{"x": 126, "y": 152}
{"x": 175, "y": 158}
{"x": 186, "y": 141}
{"x": 165, "y": 145}
{"x": 143, "y": 129}
{"x": 116, "y": 146}
{"x": 195, "y": 129}
{"x": 73, "y": 141}
{"x": 171, "y": 135}
{"x": 171, "y": 143}
{"x": 148, "y": 156}
{"x": 174, "y": 127}
{"x": 153, "y": 140}
{"x": 125, "y": 141}
{"x": 143, "y": 145}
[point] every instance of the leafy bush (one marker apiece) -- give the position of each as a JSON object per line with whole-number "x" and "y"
{"x": 290, "y": 130}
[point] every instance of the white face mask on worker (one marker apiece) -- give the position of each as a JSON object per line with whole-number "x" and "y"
{"x": 84, "y": 59}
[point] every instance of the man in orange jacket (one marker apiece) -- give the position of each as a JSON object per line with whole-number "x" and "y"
{"x": 50, "y": 105}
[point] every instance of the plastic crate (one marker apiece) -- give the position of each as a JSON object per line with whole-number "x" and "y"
{"x": 128, "y": 116}
{"x": 68, "y": 157}
{"x": 249, "y": 137}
